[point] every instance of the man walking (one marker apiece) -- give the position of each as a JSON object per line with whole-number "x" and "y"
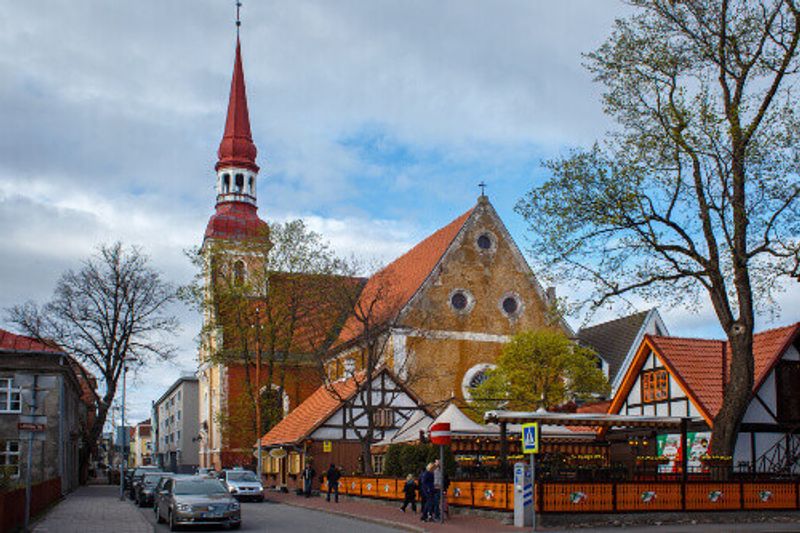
{"x": 438, "y": 484}
{"x": 308, "y": 479}
{"x": 333, "y": 476}
{"x": 427, "y": 489}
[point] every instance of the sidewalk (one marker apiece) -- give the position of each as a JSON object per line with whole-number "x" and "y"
{"x": 390, "y": 515}
{"x": 93, "y": 509}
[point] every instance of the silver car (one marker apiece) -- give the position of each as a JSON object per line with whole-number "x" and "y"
{"x": 243, "y": 484}
{"x": 192, "y": 500}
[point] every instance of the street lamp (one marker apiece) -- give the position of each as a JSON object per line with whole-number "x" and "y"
{"x": 124, "y": 447}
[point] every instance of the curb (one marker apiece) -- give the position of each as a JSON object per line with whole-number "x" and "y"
{"x": 379, "y": 521}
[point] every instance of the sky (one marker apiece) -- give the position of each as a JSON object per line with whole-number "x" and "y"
{"x": 375, "y": 121}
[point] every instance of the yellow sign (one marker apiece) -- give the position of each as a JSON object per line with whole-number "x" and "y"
{"x": 530, "y": 438}
{"x": 327, "y": 446}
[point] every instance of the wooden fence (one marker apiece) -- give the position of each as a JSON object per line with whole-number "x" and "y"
{"x": 12, "y": 503}
{"x": 567, "y": 497}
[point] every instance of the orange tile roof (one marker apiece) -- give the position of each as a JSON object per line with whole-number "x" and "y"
{"x": 307, "y": 416}
{"x": 698, "y": 363}
{"x": 20, "y": 343}
{"x": 391, "y": 288}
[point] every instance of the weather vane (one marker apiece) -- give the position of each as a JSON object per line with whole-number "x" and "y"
{"x": 238, "y": 21}
{"x": 482, "y": 185}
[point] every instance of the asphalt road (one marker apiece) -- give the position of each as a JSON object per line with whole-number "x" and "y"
{"x": 275, "y": 517}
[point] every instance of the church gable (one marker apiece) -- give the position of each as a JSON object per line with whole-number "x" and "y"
{"x": 481, "y": 285}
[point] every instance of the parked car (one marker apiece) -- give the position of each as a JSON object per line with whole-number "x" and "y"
{"x": 146, "y": 488}
{"x": 207, "y": 472}
{"x": 193, "y": 500}
{"x": 136, "y": 478}
{"x": 242, "y": 484}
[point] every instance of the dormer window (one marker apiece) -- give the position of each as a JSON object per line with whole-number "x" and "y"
{"x": 239, "y": 182}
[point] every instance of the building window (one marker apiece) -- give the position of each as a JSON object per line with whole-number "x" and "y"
{"x": 226, "y": 183}
{"x": 511, "y": 305}
{"x": 178, "y": 436}
{"x": 252, "y": 183}
{"x": 349, "y": 367}
{"x": 238, "y": 272}
{"x": 474, "y": 377}
{"x": 383, "y": 418}
{"x": 9, "y": 457}
{"x": 179, "y": 415}
{"x": 377, "y": 464}
{"x": 179, "y": 396}
{"x": 9, "y": 396}
{"x": 461, "y": 301}
{"x": 788, "y": 395}
{"x": 484, "y": 242}
{"x": 239, "y": 182}
{"x": 655, "y": 386}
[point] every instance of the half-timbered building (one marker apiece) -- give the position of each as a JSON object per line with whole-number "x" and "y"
{"x": 334, "y": 424}
{"x": 681, "y": 377}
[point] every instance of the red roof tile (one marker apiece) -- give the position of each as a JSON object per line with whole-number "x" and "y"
{"x": 391, "y": 288}
{"x": 697, "y": 363}
{"x": 307, "y": 416}
{"x": 237, "y": 148}
{"x": 20, "y": 343}
{"x": 235, "y": 220}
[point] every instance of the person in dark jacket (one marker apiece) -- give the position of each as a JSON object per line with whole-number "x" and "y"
{"x": 308, "y": 479}
{"x": 410, "y": 491}
{"x": 333, "y": 476}
{"x": 427, "y": 489}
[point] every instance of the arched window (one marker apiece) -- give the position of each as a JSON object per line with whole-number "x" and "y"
{"x": 226, "y": 183}
{"x": 239, "y": 182}
{"x": 474, "y": 377}
{"x": 238, "y": 272}
{"x": 252, "y": 185}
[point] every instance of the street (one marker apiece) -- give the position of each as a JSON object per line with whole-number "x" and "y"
{"x": 271, "y": 516}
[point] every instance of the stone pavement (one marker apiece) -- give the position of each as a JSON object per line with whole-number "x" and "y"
{"x": 390, "y": 515}
{"x": 93, "y": 509}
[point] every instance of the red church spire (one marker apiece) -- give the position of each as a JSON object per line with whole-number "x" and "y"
{"x": 236, "y": 148}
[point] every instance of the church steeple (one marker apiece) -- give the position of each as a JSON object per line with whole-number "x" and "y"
{"x": 236, "y": 164}
{"x": 236, "y": 167}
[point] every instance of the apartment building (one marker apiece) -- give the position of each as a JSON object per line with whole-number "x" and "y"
{"x": 175, "y": 427}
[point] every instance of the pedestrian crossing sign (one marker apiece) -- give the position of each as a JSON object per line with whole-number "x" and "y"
{"x": 530, "y": 438}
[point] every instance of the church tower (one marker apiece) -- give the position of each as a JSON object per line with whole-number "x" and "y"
{"x": 234, "y": 224}
{"x": 236, "y": 215}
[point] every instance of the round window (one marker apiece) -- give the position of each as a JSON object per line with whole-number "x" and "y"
{"x": 459, "y": 301}
{"x": 510, "y": 305}
{"x": 474, "y": 377}
{"x": 484, "y": 242}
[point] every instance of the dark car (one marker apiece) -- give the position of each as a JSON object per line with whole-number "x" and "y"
{"x": 193, "y": 500}
{"x": 146, "y": 488}
{"x": 136, "y": 478}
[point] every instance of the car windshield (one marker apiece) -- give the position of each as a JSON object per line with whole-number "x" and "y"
{"x": 242, "y": 476}
{"x": 152, "y": 479}
{"x": 198, "y": 487}
{"x": 139, "y": 472}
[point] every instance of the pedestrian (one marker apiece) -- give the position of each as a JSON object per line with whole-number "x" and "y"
{"x": 308, "y": 479}
{"x": 438, "y": 484}
{"x": 427, "y": 490}
{"x": 410, "y": 491}
{"x": 333, "y": 476}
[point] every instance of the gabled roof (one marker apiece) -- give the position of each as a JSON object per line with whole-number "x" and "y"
{"x": 702, "y": 365}
{"x": 388, "y": 291}
{"x": 310, "y": 414}
{"x": 614, "y": 339}
{"x": 11, "y": 342}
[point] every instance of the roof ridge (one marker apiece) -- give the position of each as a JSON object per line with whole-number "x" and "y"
{"x": 618, "y": 319}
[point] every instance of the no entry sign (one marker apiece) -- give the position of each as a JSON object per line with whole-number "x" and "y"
{"x": 440, "y": 433}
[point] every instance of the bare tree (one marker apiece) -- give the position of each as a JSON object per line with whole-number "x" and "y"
{"x": 111, "y": 313}
{"x": 696, "y": 192}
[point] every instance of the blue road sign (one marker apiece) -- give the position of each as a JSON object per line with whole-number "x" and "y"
{"x": 530, "y": 438}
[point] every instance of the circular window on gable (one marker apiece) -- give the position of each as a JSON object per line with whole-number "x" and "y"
{"x": 486, "y": 242}
{"x": 474, "y": 377}
{"x": 511, "y": 305}
{"x": 461, "y": 300}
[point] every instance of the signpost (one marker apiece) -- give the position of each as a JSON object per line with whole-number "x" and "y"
{"x": 327, "y": 446}
{"x": 440, "y": 434}
{"x": 530, "y": 445}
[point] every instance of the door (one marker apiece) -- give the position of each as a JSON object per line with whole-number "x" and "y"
{"x": 284, "y": 469}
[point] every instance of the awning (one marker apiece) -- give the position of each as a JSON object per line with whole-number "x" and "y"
{"x": 584, "y": 419}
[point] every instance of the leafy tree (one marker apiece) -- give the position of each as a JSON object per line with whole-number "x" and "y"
{"x": 695, "y": 192}
{"x": 110, "y": 314}
{"x": 404, "y": 459}
{"x": 540, "y": 369}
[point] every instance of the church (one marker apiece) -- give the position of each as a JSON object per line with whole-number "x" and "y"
{"x": 437, "y": 317}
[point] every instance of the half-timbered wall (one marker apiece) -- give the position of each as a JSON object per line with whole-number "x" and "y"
{"x": 676, "y": 404}
{"x": 350, "y": 422}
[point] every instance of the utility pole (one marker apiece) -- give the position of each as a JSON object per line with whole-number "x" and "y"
{"x": 123, "y": 463}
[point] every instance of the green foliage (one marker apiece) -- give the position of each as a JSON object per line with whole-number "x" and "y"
{"x": 540, "y": 369}
{"x": 404, "y": 459}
